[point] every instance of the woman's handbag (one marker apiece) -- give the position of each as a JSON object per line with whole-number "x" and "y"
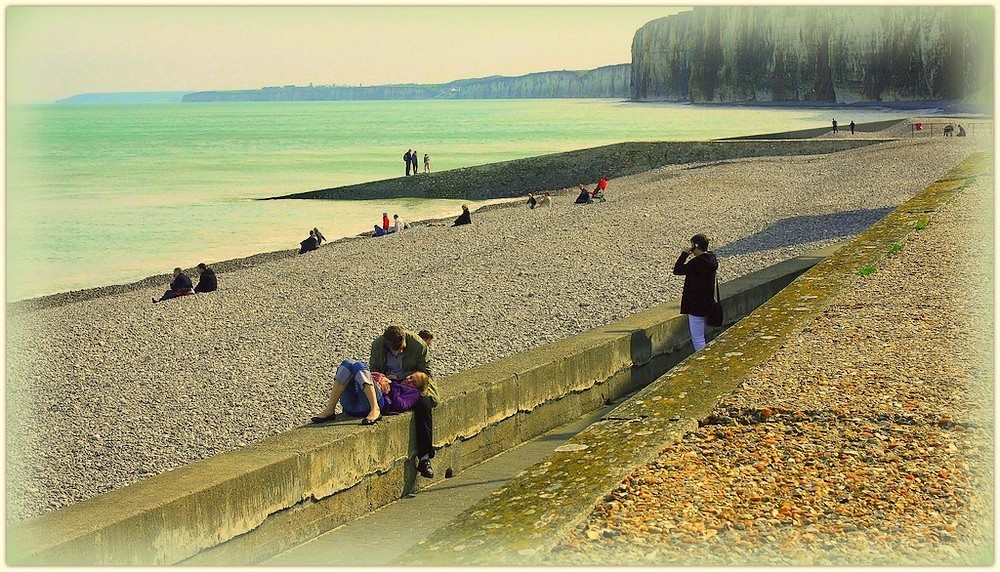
{"x": 715, "y": 318}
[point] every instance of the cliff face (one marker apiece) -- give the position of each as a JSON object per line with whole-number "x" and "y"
{"x": 607, "y": 81}
{"x": 815, "y": 54}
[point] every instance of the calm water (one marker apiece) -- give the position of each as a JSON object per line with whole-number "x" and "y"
{"x": 109, "y": 194}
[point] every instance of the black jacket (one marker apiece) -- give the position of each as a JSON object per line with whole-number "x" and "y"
{"x": 207, "y": 282}
{"x": 463, "y": 218}
{"x": 181, "y": 283}
{"x": 699, "y": 282}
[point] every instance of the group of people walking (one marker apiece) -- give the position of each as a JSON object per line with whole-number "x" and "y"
{"x": 410, "y": 159}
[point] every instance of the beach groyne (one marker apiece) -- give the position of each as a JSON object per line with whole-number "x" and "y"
{"x": 558, "y": 171}
{"x": 249, "y": 504}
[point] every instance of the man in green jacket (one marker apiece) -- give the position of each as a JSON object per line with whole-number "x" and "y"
{"x": 397, "y": 354}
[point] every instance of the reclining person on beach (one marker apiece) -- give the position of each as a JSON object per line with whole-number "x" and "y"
{"x": 584, "y": 198}
{"x": 367, "y": 394}
{"x": 180, "y": 286}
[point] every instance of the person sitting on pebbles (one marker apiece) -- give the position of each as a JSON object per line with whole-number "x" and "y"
{"x": 180, "y": 286}
{"x": 545, "y": 200}
{"x": 464, "y": 218}
{"x": 584, "y": 198}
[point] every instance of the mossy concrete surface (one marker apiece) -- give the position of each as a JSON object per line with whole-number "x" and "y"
{"x": 244, "y": 506}
{"x": 559, "y": 171}
{"x": 534, "y": 512}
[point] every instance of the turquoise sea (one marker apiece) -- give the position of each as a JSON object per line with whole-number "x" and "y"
{"x": 110, "y": 194}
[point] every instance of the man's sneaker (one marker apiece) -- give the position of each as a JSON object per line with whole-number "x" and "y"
{"x": 424, "y": 468}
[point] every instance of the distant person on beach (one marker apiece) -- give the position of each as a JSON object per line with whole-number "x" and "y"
{"x": 379, "y": 231}
{"x": 532, "y": 202}
{"x": 319, "y": 237}
{"x": 180, "y": 286}
{"x": 406, "y": 160}
{"x": 961, "y": 130}
{"x": 584, "y": 198}
{"x": 385, "y": 221}
{"x": 834, "y": 125}
{"x": 427, "y": 163}
{"x": 949, "y": 130}
{"x": 427, "y": 336}
{"x": 309, "y": 244}
{"x": 598, "y": 192}
{"x": 414, "y": 157}
{"x": 698, "y": 295}
{"x": 397, "y": 224}
{"x": 545, "y": 200}
{"x": 852, "y": 127}
{"x": 207, "y": 281}
{"x": 464, "y": 218}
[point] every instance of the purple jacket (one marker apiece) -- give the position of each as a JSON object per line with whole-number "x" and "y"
{"x": 401, "y": 397}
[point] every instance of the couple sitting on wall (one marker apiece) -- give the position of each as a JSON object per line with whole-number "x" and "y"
{"x": 396, "y": 378}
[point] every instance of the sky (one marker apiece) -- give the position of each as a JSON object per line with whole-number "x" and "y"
{"x": 57, "y": 51}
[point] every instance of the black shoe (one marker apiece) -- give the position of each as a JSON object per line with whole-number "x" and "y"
{"x": 424, "y": 468}
{"x": 367, "y": 421}
{"x": 332, "y": 417}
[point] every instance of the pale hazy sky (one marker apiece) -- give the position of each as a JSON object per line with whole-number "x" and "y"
{"x": 55, "y": 52}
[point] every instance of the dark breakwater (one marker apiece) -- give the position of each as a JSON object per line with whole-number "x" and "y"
{"x": 557, "y": 171}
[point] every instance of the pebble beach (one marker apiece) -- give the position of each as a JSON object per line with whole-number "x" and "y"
{"x": 108, "y": 391}
{"x": 866, "y": 440}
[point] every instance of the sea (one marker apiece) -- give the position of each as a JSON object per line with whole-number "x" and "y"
{"x": 107, "y": 194}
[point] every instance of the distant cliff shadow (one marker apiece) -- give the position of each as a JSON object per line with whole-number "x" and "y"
{"x": 803, "y": 229}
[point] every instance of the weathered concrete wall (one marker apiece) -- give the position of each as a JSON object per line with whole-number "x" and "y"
{"x": 559, "y": 171}
{"x": 243, "y": 506}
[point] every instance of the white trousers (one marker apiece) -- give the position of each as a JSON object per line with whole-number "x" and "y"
{"x": 697, "y": 325}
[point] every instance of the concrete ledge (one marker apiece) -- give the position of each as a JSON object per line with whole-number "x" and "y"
{"x": 534, "y": 512}
{"x": 244, "y": 506}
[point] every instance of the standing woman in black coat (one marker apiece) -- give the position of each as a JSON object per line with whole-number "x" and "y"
{"x": 699, "y": 286}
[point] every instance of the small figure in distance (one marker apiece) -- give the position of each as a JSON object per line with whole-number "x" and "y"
{"x": 180, "y": 286}
{"x": 949, "y": 130}
{"x": 852, "y": 127}
{"x": 961, "y": 130}
{"x": 427, "y": 336}
{"x": 379, "y": 231}
{"x": 319, "y": 237}
{"x": 545, "y": 200}
{"x": 406, "y": 160}
{"x": 584, "y": 198}
{"x": 464, "y": 218}
{"x": 427, "y": 163}
{"x": 835, "y": 126}
{"x": 308, "y": 244}
{"x": 398, "y": 224}
{"x": 698, "y": 295}
{"x": 413, "y": 161}
{"x": 385, "y": 221}
{"x": 532, "y": 202}
{"x": 598, "y": 192}
{"x": 207, "y": 281}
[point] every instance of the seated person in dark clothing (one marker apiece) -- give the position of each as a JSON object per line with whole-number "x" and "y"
{"x": 464, "y": 218}
{"x": 207, "y": 282}
{"x": 309, "y": 244}
{"x": 584, "y": 198}
{"x": 961, "y": 130}
{"x": 379, "y": 231}
{"x": 180, "y": 286}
